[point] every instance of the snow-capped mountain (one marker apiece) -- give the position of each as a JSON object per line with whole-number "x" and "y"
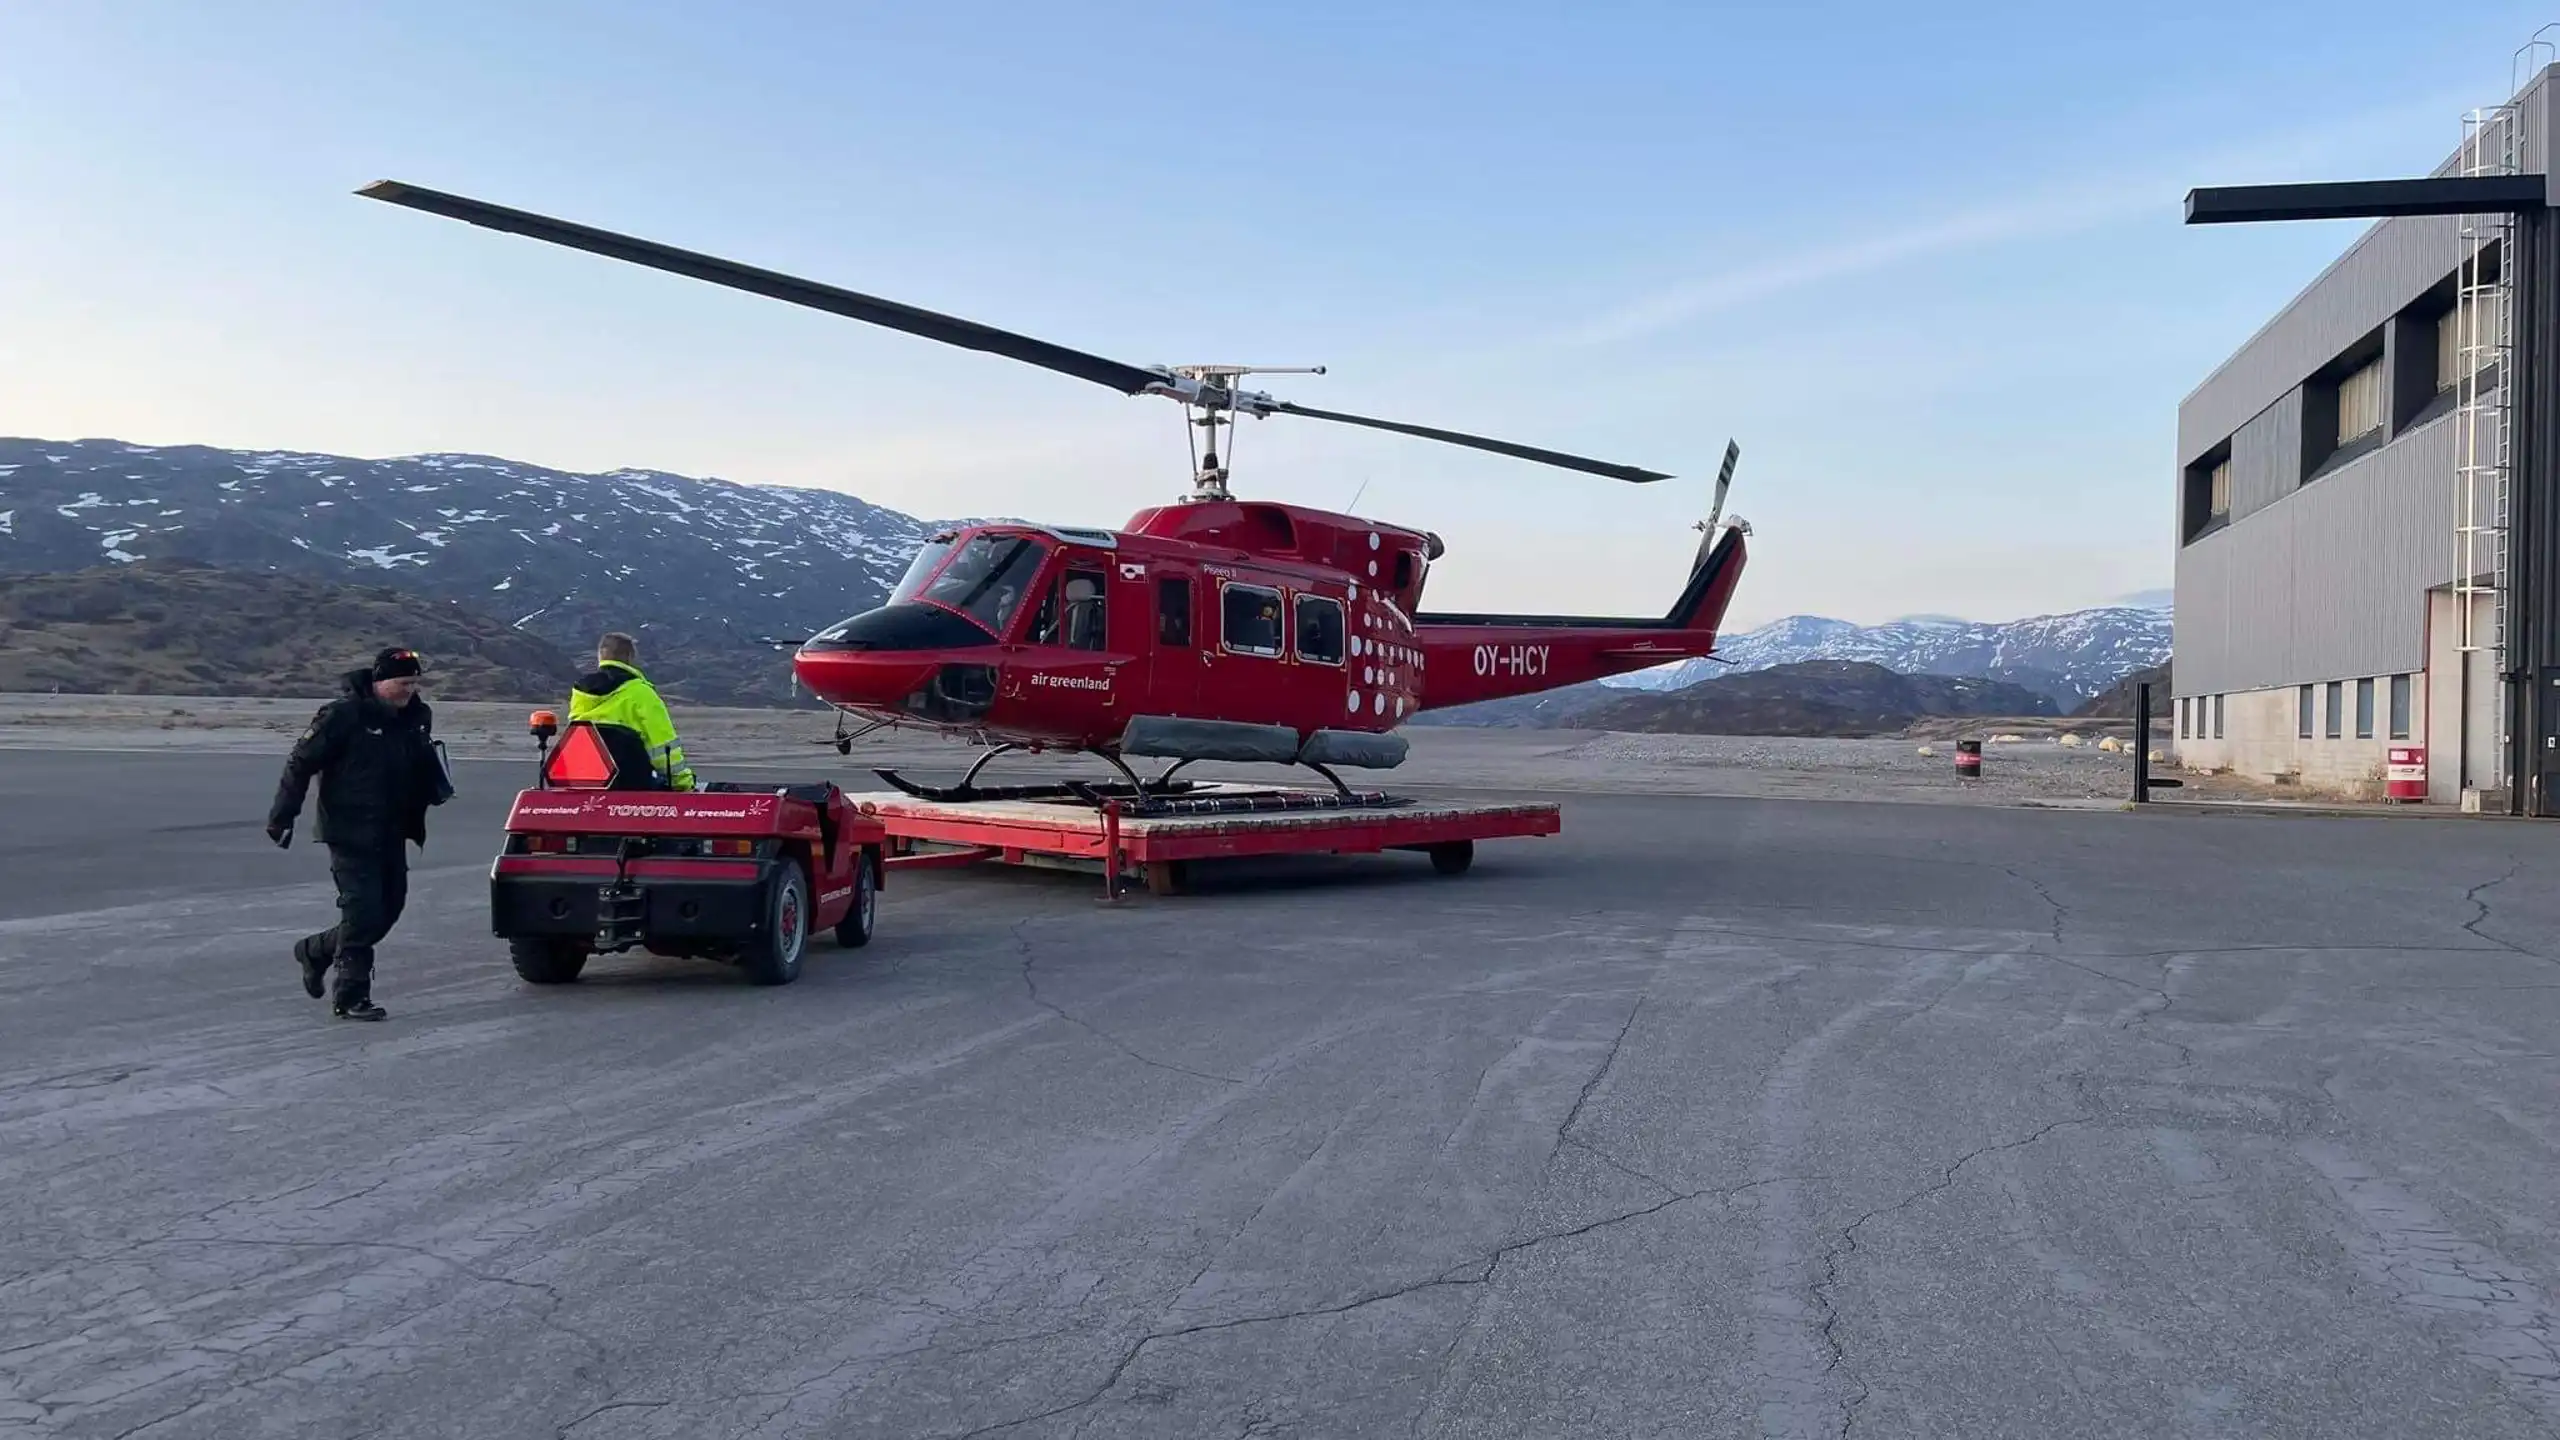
{"x": 701, "y": 570}
{"x": 2068, "y": 657}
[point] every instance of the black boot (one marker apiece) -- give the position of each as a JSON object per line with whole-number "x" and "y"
{"x": 355, "y": 993}
{"x": 315, "y": 965}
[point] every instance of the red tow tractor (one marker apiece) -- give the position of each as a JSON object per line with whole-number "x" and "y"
{"x": 598, "y": 861}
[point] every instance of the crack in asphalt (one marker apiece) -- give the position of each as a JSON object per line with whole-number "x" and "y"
{"x": 1451, "y": 1278}
{"x": 1847, "y": 1246}
{"x": 609, "y": 1406}
{"x": 1031, "y": 988}
{"x": 2477, "y": 895}
{"x": 2060, "y": 914}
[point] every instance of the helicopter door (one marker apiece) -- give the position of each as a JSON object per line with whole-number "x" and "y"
{"x": 1070, "y": 670}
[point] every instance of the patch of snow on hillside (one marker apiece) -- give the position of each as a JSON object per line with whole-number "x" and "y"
{"x": 386, "y": 558}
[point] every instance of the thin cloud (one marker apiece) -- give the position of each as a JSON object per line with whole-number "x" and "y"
{"x": 2049, "y": 213}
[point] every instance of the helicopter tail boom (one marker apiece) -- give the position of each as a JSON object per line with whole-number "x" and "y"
{"x": 1468, "y": 658}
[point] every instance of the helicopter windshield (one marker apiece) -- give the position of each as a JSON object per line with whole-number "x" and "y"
{"x": 987, "y": 578}
{"x": 920, "y": 569}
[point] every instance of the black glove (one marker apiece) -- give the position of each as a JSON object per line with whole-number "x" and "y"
{"x": 280, "y": 832}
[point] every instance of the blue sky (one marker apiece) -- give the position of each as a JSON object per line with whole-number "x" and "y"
{"x": 1928, "y": 271}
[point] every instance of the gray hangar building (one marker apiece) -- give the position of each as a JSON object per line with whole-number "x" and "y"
{"x": 2344, "y": 492}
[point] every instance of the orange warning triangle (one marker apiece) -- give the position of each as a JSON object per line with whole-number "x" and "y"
{"x": 582, "y": 759}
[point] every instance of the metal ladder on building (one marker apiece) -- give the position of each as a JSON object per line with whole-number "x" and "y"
{"x": 2483, "y": 316}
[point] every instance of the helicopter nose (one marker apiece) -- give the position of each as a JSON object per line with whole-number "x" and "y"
{"x": 898, "y": 659}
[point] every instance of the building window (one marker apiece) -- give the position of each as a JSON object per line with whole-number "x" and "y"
{"x": 2204, "y": 500}
{"x": 2184, "y": 706}
{"x": 2364, "y": 708}
{"x": 2302, "y": 729}
{"x": 2337, "y": 706}
{"x": 2360, "y": 402}
{"x": 2399, "y": 707}
{"x": 2217, "y": 717}
{"x": 2473, "y": 324}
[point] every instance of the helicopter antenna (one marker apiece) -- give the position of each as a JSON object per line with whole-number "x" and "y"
{"x": 1355, "y": 496}
{"x": 1206, "y": 392}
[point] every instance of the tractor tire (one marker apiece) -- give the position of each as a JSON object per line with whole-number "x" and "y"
{"x": 773, "y": 958}
{"x": 854, "y": 930}
{"x": 546, "y": 959}
{"x": 1452, "y": 857}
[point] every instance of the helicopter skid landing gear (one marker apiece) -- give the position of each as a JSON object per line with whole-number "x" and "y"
{"x": 968, "y": 789}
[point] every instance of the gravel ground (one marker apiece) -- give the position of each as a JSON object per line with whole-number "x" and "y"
{"x": 2035, "y": 770}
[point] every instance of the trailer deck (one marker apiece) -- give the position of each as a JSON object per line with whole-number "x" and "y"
{"x": 1121, "y": 837}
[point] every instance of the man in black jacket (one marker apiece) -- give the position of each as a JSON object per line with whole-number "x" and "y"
{"x": 373, "y": 753}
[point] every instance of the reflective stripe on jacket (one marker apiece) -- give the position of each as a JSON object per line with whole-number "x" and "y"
{"x": 618, "y": 694}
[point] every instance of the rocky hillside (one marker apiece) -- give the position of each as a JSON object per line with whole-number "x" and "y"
{"x": 701, "y": 570}
{"x": 2116, "y": 701}
{"x": 1814, "y": 697}
{"x": 175, "y": 627}
{"x": 2066, "y": 657}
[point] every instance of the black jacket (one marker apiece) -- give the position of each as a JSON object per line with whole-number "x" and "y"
{"x": 377, "y": 769}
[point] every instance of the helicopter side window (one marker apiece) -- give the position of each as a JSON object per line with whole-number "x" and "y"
{"x": 986, "y": 580}
{"x": 1085, "y": 600}
{"x": 1173, "y": 611}
{"x": 1320, "y": 629}
{"x": 1404, "y": 571}
{"x": 1249, "y": 619}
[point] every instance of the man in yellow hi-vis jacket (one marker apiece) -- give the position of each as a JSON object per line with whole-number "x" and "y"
{"x": 618, "y": 694}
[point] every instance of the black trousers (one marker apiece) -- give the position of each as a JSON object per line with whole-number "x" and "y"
{"x": 373, "y": 888}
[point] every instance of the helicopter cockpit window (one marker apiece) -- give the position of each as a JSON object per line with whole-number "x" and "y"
{"x": 988, "y": 578}
{"x": 933, "y": 553}
{"x": 1249, "y": 619}
{"x": 1404, "y": 571}
{"x": 1320, "y": 629}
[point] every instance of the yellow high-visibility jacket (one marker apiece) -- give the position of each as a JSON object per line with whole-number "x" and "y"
{"x": 618, "y": 694}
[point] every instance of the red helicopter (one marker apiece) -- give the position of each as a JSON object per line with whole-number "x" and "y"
{"x": 1210, "y": 629}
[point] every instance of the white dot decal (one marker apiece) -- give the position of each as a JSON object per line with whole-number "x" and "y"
{"x": 1355, "y": 589}
{"x": 1373, "y": 539}
{"x": 1381, "y": 707}
{"x": 1353, "y": 704}
{"x": 1368, "y": 676}
{"x": 1373, "y": 569}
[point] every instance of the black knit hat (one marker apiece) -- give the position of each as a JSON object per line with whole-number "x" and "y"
{"x": 397, "y": 664}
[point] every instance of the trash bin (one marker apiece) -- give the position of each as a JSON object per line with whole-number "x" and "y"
{"x": 1969, "y": 759}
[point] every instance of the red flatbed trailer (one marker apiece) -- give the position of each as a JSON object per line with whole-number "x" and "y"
{"x": 1161, "y": 847}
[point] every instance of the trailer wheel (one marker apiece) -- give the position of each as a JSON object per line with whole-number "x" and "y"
{"x": 854, "y": 930}
{"x": 1452, "y": 857}
{"x": 773, "y": 958}
{"x": 547, "y": 959}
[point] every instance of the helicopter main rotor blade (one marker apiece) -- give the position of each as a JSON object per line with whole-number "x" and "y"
{"x": 1478, "y": 442}
{"x": 950, "y": 330}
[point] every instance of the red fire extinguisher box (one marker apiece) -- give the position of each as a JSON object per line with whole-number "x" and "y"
{"x": 2406, "y": 779}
